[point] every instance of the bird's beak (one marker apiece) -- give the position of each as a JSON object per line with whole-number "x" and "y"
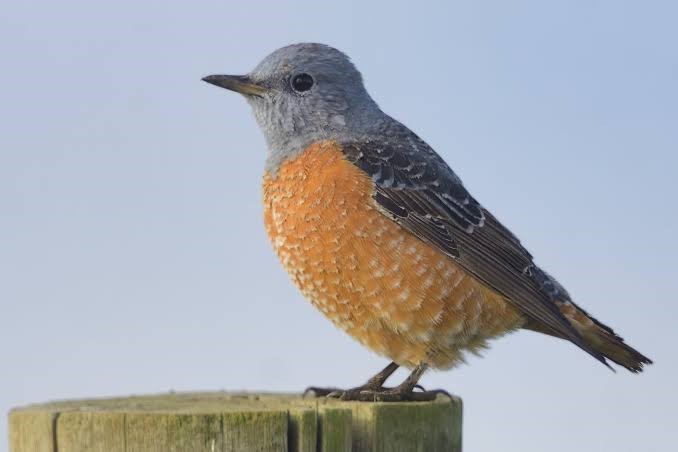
{"x": 238, "y": 83}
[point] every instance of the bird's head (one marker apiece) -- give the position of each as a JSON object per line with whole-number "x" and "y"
{"x": 305, "y": 93}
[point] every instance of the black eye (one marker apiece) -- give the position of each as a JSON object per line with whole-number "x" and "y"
{"x": 302, "y": 82}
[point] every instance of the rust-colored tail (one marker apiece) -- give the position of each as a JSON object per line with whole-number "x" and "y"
{"x": 600, "y": 337}
{"x": 614, "y": 348}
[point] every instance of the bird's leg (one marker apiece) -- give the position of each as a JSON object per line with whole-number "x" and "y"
{"x": 373, "y": 384}
{"x": 403, "y": 392}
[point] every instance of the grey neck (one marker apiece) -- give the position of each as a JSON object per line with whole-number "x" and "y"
{"x": 287, "y": 135}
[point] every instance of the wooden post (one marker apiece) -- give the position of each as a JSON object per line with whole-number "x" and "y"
{"x": 221, "y": 421}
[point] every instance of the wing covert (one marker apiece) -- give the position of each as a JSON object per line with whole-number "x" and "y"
{"x": 418, "y": 190}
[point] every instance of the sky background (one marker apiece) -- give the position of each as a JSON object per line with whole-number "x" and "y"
{"x": 133, "y": 257}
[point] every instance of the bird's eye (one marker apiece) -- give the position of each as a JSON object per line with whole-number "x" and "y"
{"x": 302, "y": 82}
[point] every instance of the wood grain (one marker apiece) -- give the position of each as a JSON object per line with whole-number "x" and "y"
{"x": 224, "y": 422}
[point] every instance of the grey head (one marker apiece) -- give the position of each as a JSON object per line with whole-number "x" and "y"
{"x": 304, "y": 93}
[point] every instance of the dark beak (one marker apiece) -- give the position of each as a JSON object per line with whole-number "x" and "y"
{"x": 238, "y": 83}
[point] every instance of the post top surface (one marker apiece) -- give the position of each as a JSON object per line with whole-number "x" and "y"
{"x": 209, "y": 402}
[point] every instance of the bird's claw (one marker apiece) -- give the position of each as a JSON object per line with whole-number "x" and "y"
{"x": 314, "y": 391}
{"x": 341, "y": 394}
{"x": 390, "y": 395}
{"x": 381, "y": 394}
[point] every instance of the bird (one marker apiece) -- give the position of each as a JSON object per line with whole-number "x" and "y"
{"x": 380, "y": 234}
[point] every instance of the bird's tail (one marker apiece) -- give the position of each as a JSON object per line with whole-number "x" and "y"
{"x": 600, "y": 337}
{"x": 603, "y": 339}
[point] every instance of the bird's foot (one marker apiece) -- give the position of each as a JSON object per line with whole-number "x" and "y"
{"x": 336, "y": 393}
{"x": 401, "y": 393}
{"x": 374, "y": 390}
{"x": 315, "y": 391}
{"x": 375, "y": 383}
{"x": 368, "y": 393}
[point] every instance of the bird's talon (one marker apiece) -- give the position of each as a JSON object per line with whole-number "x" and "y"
{"x": 315, "y": 392}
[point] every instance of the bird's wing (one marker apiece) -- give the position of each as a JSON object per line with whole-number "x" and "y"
{"x": 417, "y": 189}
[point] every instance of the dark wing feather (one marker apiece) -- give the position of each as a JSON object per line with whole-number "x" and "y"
{"x": 417, "y": 189}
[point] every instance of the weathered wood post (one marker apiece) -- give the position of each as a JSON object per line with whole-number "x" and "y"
{"x": 221, "y": 421}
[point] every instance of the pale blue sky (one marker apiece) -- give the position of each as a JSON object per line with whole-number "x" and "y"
{"x": 133, "y": 256}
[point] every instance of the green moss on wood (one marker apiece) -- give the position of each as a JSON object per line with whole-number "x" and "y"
{"x": 224, "y": 422}
{"x": 335, "y": 428}
{"x": 302, "y": 430}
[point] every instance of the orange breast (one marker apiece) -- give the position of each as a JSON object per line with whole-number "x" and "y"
{"x": 389, "y": 290}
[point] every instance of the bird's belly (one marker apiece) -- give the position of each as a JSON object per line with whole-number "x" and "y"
{"x": 389, "y": 290}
